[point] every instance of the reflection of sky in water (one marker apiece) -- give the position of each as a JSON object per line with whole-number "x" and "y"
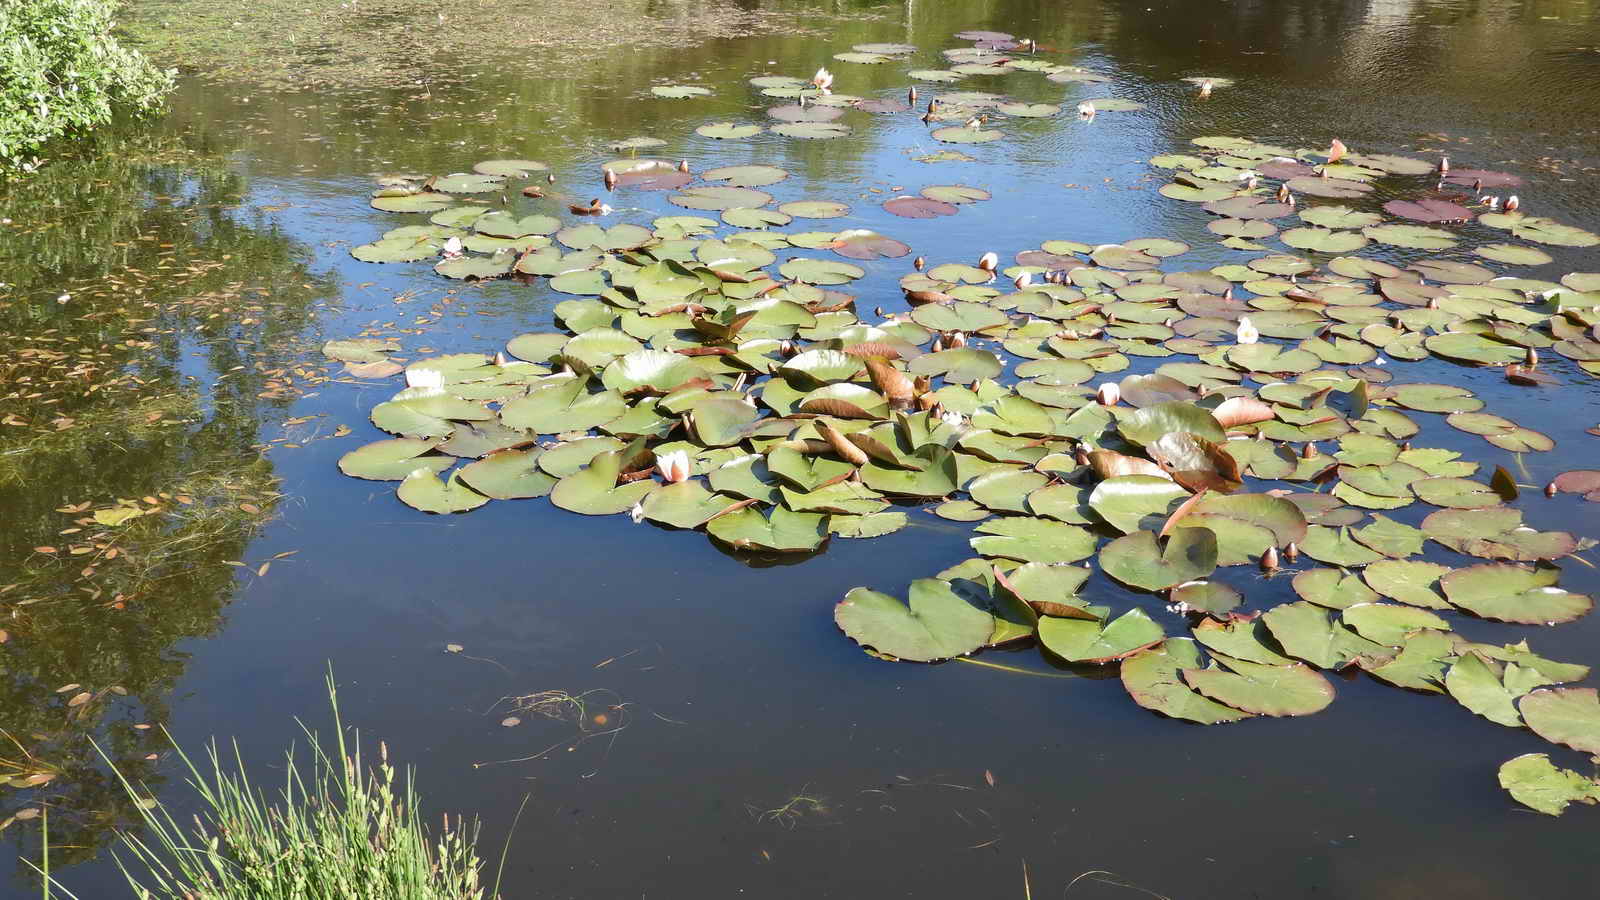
{"x": 1385, "y": 794}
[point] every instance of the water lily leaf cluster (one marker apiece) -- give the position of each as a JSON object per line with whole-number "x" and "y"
{"x": 717, "y": 375}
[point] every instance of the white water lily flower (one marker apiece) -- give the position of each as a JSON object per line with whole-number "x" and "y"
{"x": 637, "y": 512}
{"x": 823, "y": 79}
{"x": 452, "y": 248}
{"x": 952, "y": 418}
{"x": 989, "y": 261}
{"x": 1086, "y": 109}
{"x": 424, "y": 378}
{"x": 1247, "y": 333}
{"x": 1108, "y": 393}
{"x": 674, "y": 466}
{"x": 1023, "y": 280}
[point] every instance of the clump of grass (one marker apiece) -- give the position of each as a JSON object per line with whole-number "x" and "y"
{"x": 334, "y": 830}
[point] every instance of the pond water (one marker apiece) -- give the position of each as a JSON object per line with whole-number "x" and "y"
{"x": 748, "y": 747}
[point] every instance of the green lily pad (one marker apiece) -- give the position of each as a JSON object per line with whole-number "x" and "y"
{"x": 1389, "y": 623}
{"x": 561, "y": 406}
{"x": 935, "y": 623}
{"x": 1569, "y": 716}
{"x": 1456, "y": 493}
{"x": 728, "y": 131}
{"x": 1536, "y": 783}
{"x": 783, "y": 531}
{"x": 509, "y": 475}
{"x": 963, "y": 365}
{"x": 1033, "y": 540}
{"x": 821, "y": 271}
{"x": 815, "y": 131}
{"x": 423, "y": 490}
{"x": 954, "y": 134}
{"x": 1419, "y": 666}
{"x": 594, "y": 491}
{"x": 1153, "y": 678}
{"x": 1513, "y": 593}
{"x": 679, "y": 91}
{"x": 1143, "y": 426}
{"x": 411, "y": 202}
{"x": 1333, "y": 588}
{"x": 1007, "y": 490}
{"x": 392, "y": 460}
{"x": 1323, "y": 240}
{"x": 1336, "y": 547}
{"x": 1496, "y": 533}
{"x": 1416, "y": 237}
{"x": 469, "y": 184}
{"x": 1125, "y": 501}
{"x": 1489, "y": 688}
{"x": 1240, "y": 639}
{"x": 687, "y": 504}
{"x": 1293, "y": 690}
{"x": 1410, "y": 581}
{"x": 1138, "y": 560}
{"x": 1310, "y": 632}
{"x": 1088, "y": 641}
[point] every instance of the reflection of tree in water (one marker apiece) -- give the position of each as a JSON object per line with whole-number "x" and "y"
{"x": 147, "y": 389}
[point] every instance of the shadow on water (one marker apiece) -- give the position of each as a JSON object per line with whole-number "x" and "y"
{"x": 763, "y": 753}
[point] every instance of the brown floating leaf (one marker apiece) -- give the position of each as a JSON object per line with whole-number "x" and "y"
{"x": 847, "y": 451}
{"x": 1429, "y": 210}
{"x": 890, "y": 382}
{"x": 919, "y": 297}
{"x": 1242, "y": 411}
{"x": 919, "y": 207}
{"x": 1111, "y": 464}
{"x": 1519, "y": 374}
{"x": 1504, "y": 484}
{"x": 1578, "y": 481}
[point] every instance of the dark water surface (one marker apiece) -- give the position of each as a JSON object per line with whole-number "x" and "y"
{"x": 737, "y": 691}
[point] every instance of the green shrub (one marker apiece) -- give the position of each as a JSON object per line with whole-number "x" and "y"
{"x": 62, "y": 73}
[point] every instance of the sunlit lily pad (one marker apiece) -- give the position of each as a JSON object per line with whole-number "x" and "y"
{"x": 1536, "y": 783}
{"x": 1088, "y": 641}
{"x": 1292, "y": 690}
{"x": 1513, "y": 593}
{"x": 392, "y": 460}
{"x": 954, "y": 134}
{"x": 1138, "y": 560}
{"x": 1153, "y": 677}
{"x": 423, "y": 490}
{"x": 679, "y": 91}
{"x": 936, "y": 623}
{"x": 1416, "y": 237}
{"x": 812, "y": 130}
{"x": 1569, "y": 716}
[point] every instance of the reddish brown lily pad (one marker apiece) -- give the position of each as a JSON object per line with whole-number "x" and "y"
{"x": 918, "y": 207}
{"x": 1428, "y": 210}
